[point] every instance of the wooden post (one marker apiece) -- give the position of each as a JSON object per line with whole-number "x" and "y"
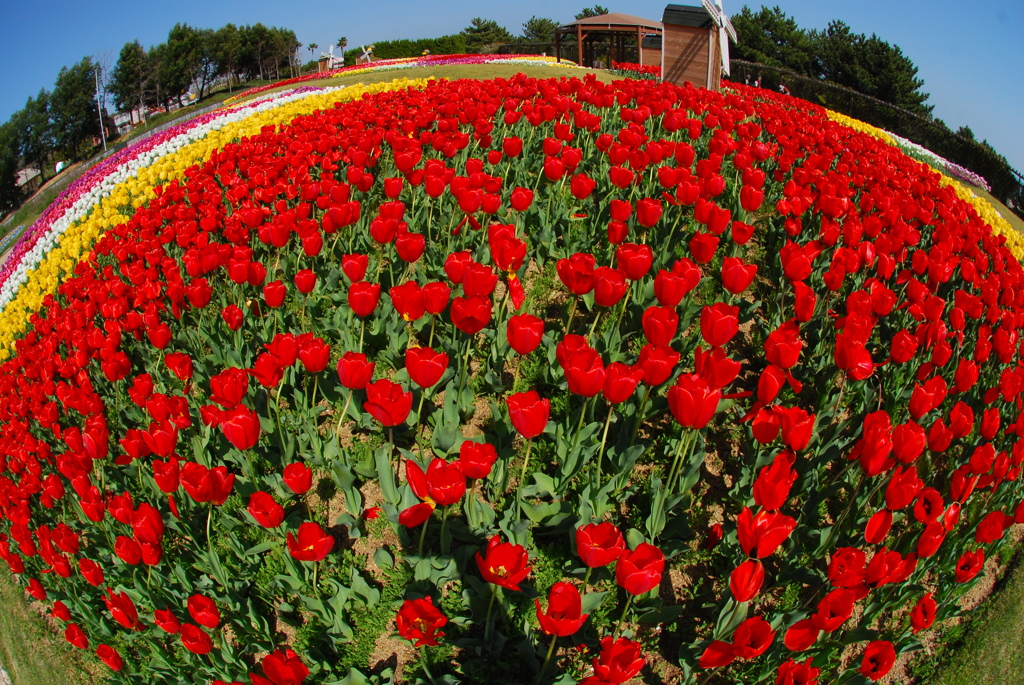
{"x": 558, "y": 47}
{"x": 579, "y": 44}
{"x": 639, "y": 45}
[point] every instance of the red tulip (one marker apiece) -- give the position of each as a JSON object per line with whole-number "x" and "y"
{"x": 471, "y": 314}
{"x": 524, "y": 333}
{"x": 564, "y": 615}
{"x": 167, "y": 621}
{"x": 599, "y": 544}
{"x": 657, "y": 363}
{"x": 577, "y": 272}
{"x": 634, "y": 260}
{"x": 283, "y": 667}
{"x": 922, "y": 616}
{"x": 477, "y": 458}
{"x": 311, "y": 543}
{"x": 620, "y": 382}
{"x": 232, "y": 316}
{"x": 619, "y": 661}
{"x": 315, "y": 354}
{"x": 670, "y": 287}
{"x": 719, "y": 323}
{"x": 752, "y": 638}
{"x": 305, "y": 281}
{"x": 195, "y": 639}
{"x": 528, "y": 413}
{"x": 204, "y": 611}
{"x": 425, "y": 366}
{"x": 660, "y": 325}
{"x": 354, "y": 266}
{"x": 693, "y": 401}
{"x": 761, "y": 535}
{"x": 241, "y": 426}
{"x": 703, "y": 247}
{"x": 363, "y": 298}
{"x": 640, "y": 571}
{"x": 274, "y": 294}
{"x": 746, "y": 579}
{"x": 737, "y": 275}
{"x": 354, "y": 370}
{"x": 773, "y": 483}
{"x": 609, "y": 286}
{"x": 76, "y": 636}
{"x": 180, "y": 364}
{"x": 267, "y": 512}
{"x": 123, "y": 610}
{"x": 879, "y": 658}
{"x": 387, "y": 402}
{"x": 298, "y": 477}
{"x": 110, "y": 657}
{"x": 503, "y": 563}
{"x": 407, "y": 299}
{"x": 419, "y": 621}
{"x": 229, "y": 387}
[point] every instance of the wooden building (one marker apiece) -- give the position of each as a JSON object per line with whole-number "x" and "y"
{"x": 695, "y": 45}
{"x": 608, "y": 38}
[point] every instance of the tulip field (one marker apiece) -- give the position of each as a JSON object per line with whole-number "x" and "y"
{"x": 511, "y": 381}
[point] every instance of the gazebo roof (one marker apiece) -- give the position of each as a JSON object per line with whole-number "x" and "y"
{"x": 616, "y": 21}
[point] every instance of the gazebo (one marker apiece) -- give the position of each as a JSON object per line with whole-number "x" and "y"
{"x": 618, "y": 29}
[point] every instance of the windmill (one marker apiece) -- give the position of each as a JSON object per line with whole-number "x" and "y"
{"x": 695, "y": 44}
{"x": 367, "y": 55}
{"x": 714, "y": 9}
{"x": 331, "y": 59}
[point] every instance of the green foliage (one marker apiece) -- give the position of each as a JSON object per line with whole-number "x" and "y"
{"x": 130, "y": 76}
{"x": 484, "y": 32}
{"x": 539, "y": 30}
{"x": 595, "y": 11}
{"x": 8, "y": 167}
{"x": 73, "y": 109}
{"x": 393, "y": 49}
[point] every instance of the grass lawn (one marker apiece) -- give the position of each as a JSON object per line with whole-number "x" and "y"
{"x": 164, "y": 117}
{"x": 992, "y": 651}
{"x": 453, "y": 71}
{"x": 31, "y": 653}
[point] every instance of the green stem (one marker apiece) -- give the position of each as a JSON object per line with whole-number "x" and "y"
{"x": 640, "y": 411}
{"x": 423, "y": 536}
{"x": 419, "y": 422}
{"x": 444, "y": 527}
{"x": 426, "y": 669}
{"x": 430, "y": 342}
{"x": 467, "y": 505}
{"x": 572, "y": 314}
{"x": 586, "y": 578}
{"x": 522, "y": 476}
{"x": 344, "y": 413}
{"x": 547, "y": 659}
{"x": 488, "y": 624}
{"x": 465, "y": 368}
{"x": 600, "y": 451}
{"x": 579, "y": 424}
{"x": 622, "y": 618}
{"x": 684, "y": 439}
{"x": 593, "y": 326}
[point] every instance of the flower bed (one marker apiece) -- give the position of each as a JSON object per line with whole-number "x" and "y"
{"x": 648, "y": 72}
{"x": 408, "y": 63}
{"x": 558, "y": 380}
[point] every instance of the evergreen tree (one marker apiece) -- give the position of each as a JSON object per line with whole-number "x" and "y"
{"x": 483, "y": 32}
{"x": 130, "y": 77}
{"x": 539, "y": 30}
{"x": 595, "y": 11}
{"x": 770, "y": 37}
{"x": 9, "y": 146}
{"x": 35, "y": 138}
{"x": 73, "y": 109}
{"x": 227, "y": 48}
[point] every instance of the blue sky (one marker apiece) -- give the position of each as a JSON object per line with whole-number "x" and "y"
{"x": 970, "y": 55}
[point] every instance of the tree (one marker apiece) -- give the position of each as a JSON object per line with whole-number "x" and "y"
{"x": 770, "y": 37}
{"x": 73, "y": 109}
{"x": 595, "y": 11}
{"x": 36, "y": 131}
{"x": 539, "y": 30}
{"x": 9, "y": 145}
{"x": 180, "y": 64}
{"x": 483, "y": 32}
{"x": 342, "y": 42}
{"x": 226, "y": 46}
{"x": 130, "y": 77}
{"x": 206, "y": 64}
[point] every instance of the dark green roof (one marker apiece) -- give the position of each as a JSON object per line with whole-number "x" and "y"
{"x": 687, "y": 15}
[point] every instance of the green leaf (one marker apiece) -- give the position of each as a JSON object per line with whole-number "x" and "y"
{"x": 383, "y": 559}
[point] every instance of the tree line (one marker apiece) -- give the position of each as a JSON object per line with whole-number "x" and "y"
{"x": 783, "y": 51}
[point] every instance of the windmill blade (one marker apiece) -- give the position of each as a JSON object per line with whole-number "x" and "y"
{"x": 729, "y": 28}
{"x": 713, "y": 10}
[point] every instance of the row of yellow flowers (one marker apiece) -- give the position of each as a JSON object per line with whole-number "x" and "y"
{"x": 1000, "y": 226}
{"x": 78, "y": 240}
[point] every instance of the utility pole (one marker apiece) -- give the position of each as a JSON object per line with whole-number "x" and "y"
{"x": 99, "y": 107}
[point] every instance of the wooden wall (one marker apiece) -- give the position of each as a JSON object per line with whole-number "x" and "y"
{"x": 685, "y": 51}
